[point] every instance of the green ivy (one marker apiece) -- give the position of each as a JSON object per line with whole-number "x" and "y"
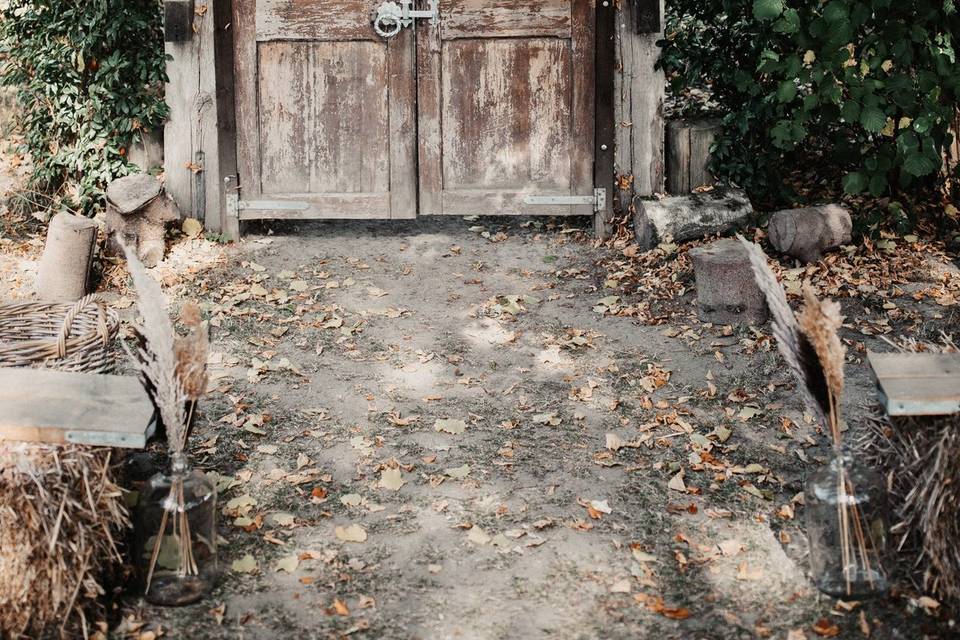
{"x": 873, "y": 85}
{"x": 89, "y": 76}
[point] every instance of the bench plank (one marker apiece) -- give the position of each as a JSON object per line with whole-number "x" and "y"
{"x": 58, "y": 407}
{"x": 918, "y": 384}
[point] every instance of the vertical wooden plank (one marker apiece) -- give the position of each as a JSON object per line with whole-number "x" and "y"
{"x": 402, "y": 131}
{"x": 183, "y": 83}
{"x": 639, "y": 96}
{"x": 583, "y": 28}
{"x": 605, "y": 114}
{"x": 226, "y": 115}
{"x": 678, "y": 157}
{"x": 191, "y": 138}
{"x": 245, "y": 89}
{"x": 430, "y": 145}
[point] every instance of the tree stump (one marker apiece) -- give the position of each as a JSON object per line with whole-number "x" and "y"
{"x": 137, "y": 208}
{"x": 688, "y": 154}
{"x": 808, "y": 233}
{"x": 726, "y": 290}
{"x": 684, "y": 218}
{"x": 64, "y": 272}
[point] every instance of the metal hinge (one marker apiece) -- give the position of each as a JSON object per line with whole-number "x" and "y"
{"x": 598, "y": 200}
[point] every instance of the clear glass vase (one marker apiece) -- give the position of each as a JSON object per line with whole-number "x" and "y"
{"x": 176, "y": 535}
{"x": 845, "y": 514}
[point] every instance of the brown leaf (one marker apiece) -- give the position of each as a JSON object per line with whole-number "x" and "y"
{"x": 826, "y": 629}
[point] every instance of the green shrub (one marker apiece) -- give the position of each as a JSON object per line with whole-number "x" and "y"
{"x": 871, "y": 85}
{"x": 89, "y": 76}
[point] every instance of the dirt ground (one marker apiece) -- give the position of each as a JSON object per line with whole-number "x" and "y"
{"x": 491, "y": 428}
{"x": 443, "y": 430}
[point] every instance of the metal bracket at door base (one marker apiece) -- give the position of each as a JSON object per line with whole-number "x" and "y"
{"x": 598, "y": 200}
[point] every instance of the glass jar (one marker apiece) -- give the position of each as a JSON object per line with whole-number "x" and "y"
{"x": 846, "y": 527}
{"x": 176, "y": 535}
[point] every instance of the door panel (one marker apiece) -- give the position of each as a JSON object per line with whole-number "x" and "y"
{"x": 325, "y": 111}
{"x": 500, "y": 129}
{"x": 506, "y": 106}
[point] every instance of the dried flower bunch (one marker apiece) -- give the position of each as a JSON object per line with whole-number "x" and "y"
{"x": 811, "y": 345}
{"x": 173, "y": 370}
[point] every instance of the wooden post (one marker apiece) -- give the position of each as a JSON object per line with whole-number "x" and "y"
{"x": 640, "y": 92}
{"x": 199, "y": 132}
{"x": 688, "y": 154}
{"x": 226, "y": 116}
{"x": 606, "y": 115}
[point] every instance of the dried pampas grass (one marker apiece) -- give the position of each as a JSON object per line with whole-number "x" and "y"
{"x": 920, "y": 457}
{"x": 191, "y": 353}
{"x": 173, "y": 368}
{"x": 60, "y": 514}
{"x": 155, "y": 354}
{"x": 794, "y": 345}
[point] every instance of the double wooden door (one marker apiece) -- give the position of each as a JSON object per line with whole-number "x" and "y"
{"x": 488, "y": 111}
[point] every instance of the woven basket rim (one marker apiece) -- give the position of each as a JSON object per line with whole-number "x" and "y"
{"x": 86, "y": 335}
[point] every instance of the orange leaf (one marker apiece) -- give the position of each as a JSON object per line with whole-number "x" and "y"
{"x": 823, "y": 627}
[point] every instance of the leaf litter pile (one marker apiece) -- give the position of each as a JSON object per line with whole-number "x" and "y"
{"x": 500, "y": 429}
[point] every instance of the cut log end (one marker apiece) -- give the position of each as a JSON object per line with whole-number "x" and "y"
{"x": 726, "y": 290}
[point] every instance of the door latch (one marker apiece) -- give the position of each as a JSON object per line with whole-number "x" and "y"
{"x": 390, "y": 17}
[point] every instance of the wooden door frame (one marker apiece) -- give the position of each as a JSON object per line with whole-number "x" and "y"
{"x": 605, "y": 117}
{"x": 224, "y": 57}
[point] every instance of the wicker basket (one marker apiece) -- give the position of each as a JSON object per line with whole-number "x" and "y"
{"x": 68, "y": 337}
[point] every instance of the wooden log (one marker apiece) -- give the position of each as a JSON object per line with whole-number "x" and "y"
{"x": 807, "y": 233}
{"x": 727, "y": 292}
{"x": 688, "y": 154}
{"x": 64, "y": 272}
{"x": 682, "y": 218}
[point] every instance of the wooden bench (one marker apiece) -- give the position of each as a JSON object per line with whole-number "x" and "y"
{"x": 918, "y": 384}
{"x": 58, "y": 407}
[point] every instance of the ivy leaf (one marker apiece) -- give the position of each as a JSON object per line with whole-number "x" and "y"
{"x": 789, "y": 22}
{"x": 878, "y": 185}
{"x": 917, "y": 164}
{"x": 765, "y": 10}
{"x": 854, "y": 183}
{"x": 787, "y": 91}
{"x": 873, "y": 119}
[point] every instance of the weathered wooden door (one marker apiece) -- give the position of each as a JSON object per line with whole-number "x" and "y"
{"x": 506, "y": 107}
{"x": 489, "y": 111}
{"x": 326, "y": 124}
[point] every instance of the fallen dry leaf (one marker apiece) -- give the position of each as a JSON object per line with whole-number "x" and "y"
{"x": 351, "y": 533}
{"x": 826, "y": 629}
{"x": 391, "y": 479}
{"x": 454, "y": 427}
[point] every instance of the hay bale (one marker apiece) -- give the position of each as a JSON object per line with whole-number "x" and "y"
{"x": 920, "y": 458}
{"x": 61, "y": 515}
